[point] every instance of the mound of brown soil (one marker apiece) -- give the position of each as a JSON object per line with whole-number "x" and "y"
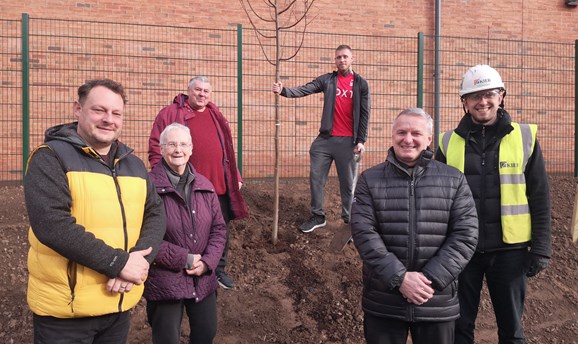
{"x": 301, "y": 290}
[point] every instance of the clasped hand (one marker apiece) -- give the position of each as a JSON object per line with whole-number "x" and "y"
{"x": 416, "y": 288}
{"x": 134, "y": 272}
{"x": 198, "y": 268}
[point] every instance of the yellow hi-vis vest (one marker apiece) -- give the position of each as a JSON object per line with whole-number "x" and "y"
{"x": 514, "y": 153}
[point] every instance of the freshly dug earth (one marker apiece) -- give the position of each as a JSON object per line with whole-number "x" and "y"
{"x": 301, "y": 290}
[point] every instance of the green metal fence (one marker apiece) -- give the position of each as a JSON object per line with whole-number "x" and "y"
{"x": 153, "y": 62}
{"x": 539, "y": 81}
{"x": 45, "y": 60}
{"x": 10, "y": 100}
{"x": 388, "y": 63}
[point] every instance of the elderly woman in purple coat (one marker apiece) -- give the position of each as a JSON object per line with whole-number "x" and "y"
{"x": 182, "y": 276}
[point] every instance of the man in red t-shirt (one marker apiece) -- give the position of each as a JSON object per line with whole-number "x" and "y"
{"x": 342, "y": 133}
{"x": 213, "y": 155}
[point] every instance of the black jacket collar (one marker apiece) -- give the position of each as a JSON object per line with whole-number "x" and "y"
{"x": 503, "y": 125}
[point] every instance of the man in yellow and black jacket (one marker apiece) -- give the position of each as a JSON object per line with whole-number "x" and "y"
{"x": 505, "y": 169}
{"x": 96, "y": 223}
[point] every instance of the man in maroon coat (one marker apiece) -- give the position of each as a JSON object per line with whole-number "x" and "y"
{"x": 214, "y": 156}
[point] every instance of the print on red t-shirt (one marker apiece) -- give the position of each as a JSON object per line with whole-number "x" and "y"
{"x": 343, "y": 114}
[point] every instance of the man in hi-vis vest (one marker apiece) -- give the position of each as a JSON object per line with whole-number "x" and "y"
{"x": 505, "y": 170}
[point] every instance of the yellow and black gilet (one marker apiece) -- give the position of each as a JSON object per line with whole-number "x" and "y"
{"x": 108, "y": 203}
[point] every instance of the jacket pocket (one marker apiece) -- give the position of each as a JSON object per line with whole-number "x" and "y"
{"x": 368, "y": 277}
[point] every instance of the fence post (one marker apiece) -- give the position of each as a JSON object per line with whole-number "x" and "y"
{"x": 437, "y": 68}
{"x": 420, "y": 44}
{"x": 240, "y": 98}
{"x": 25, "y": 94}
{"x": 576, "y": 108}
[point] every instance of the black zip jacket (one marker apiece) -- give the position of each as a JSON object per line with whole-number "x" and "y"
{"x": 424, "y": 222}
{"x": 327, "y": 84}
{"x": 481, "y": 170}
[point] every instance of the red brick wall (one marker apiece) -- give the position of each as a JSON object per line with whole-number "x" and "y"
{"x": 528, "y": 20}
{"x": 534, "y": 20}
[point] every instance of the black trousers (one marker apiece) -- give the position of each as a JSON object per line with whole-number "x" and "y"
{"x": 379, "y": 330}
{"x": 505, "y": 273}
{"x": 165, "y": 318}
{"x": 105, "y": 329}
{"x": 226, "y": 211}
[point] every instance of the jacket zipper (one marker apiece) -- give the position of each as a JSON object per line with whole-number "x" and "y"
{"x": 483, "y": 188}
{"x": 412, "y": 236}
{"x": 125, "y": 232}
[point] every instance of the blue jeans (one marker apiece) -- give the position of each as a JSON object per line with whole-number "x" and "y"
{"x": 105, "y": 329}
{"x": 506, "y": 279}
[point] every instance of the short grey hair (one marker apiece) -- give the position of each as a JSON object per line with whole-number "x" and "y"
{"x": 199, "y": 78}
{"x": 418, "y": 112}
{"x": 171, "y": 127}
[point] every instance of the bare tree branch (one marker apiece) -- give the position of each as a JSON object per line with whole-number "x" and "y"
{"x": 300, "y": 19}
{"x": 257, "y": 30}
{"x": 300, "y": 45}
{"x": 256, "y": 14}
{"x": 291, "y": 19}
{"x": 289, "y": 6}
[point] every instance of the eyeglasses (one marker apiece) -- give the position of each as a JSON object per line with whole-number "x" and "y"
{"x": 174, "y": 145}
{"x": 487, "y": 95}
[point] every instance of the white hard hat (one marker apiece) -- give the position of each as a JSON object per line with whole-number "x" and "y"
{"x": 480, "y": 78}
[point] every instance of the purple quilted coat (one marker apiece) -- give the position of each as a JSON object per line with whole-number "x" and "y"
{"x": 198, "y": 230}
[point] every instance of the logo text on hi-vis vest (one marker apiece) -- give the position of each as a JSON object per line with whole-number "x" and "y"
{"x": 505, "y": 164}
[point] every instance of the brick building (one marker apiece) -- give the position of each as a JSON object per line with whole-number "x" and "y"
{"x": 377, "y": 30}
{"x": 533, "y": 20}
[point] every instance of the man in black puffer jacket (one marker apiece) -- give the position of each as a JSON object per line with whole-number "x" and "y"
{"x": 415, "y": 226}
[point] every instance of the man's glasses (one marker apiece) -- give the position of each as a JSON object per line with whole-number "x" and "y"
{"x": 486, "y": 95}
{"x": 174, "y": 145}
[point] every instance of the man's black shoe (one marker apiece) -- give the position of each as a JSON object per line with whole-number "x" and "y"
{"x": 315, "y": 221}
{"x": 225, "y": 281}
